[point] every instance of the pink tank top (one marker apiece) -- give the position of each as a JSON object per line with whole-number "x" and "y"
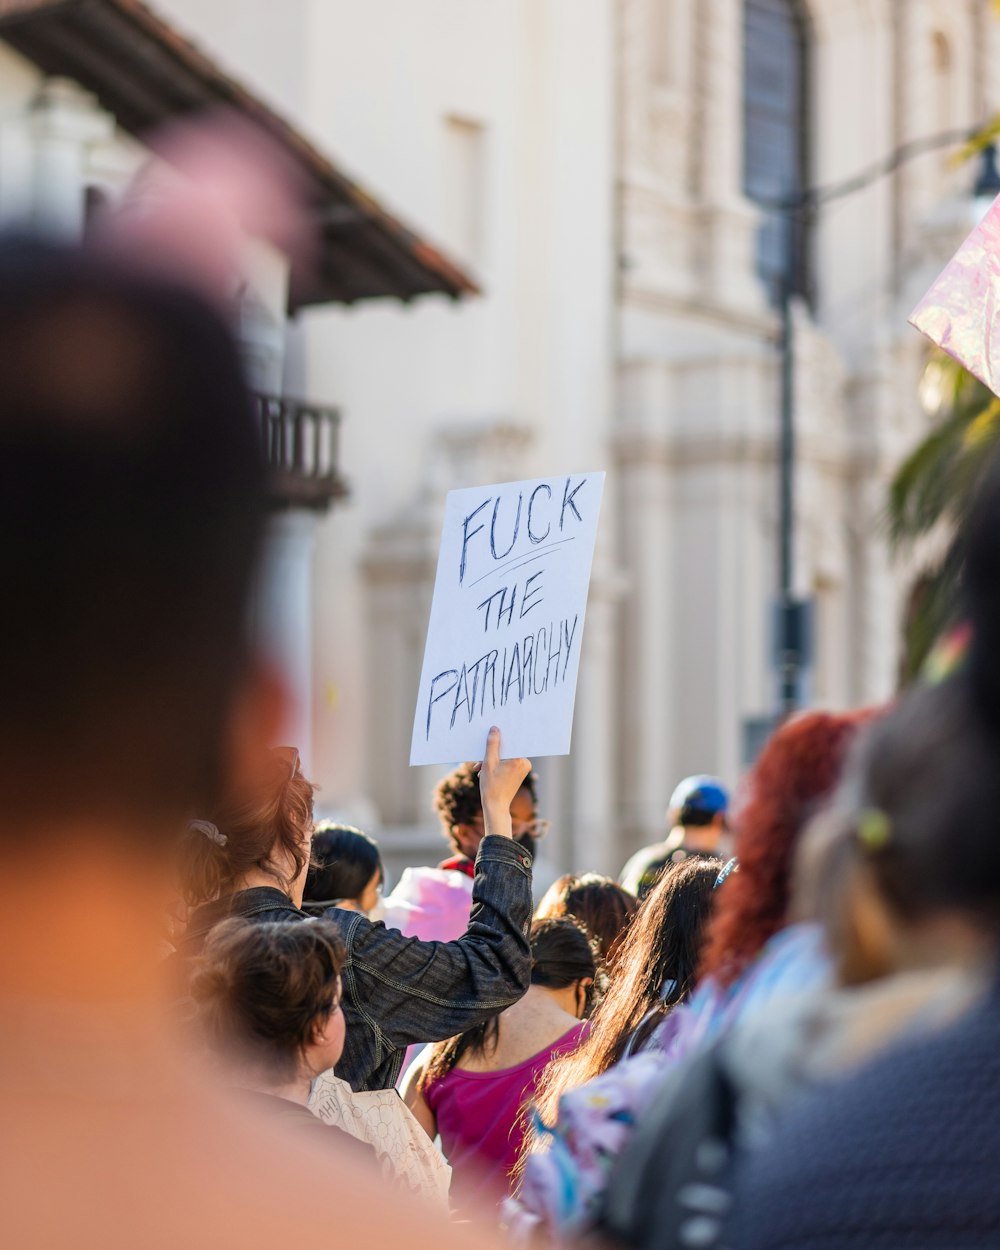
{"x": 480, "y": 1122}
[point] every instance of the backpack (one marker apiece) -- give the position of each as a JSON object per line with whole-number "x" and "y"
{"x": 670, "y": 1188}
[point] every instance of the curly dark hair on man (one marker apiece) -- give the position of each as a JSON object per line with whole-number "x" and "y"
{"x": 457, "y": 800}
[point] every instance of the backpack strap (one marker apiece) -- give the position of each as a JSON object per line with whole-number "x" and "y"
{"x": 670, "y": 1186}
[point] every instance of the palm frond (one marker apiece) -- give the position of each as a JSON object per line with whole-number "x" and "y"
{"x": 933, "y": 488}
{"x": 921, "y": 493}
{"x": 935, "y": 482}
{"x": 933, "y": 608}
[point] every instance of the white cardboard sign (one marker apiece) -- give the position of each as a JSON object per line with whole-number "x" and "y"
{"x": 503, "y": 644}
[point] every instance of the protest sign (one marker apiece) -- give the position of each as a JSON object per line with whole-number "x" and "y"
{"x": 961, "y": 311}
{"x": 503, "y": 644}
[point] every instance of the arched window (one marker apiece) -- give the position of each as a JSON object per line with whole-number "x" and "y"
{"x": 776, "y": 133}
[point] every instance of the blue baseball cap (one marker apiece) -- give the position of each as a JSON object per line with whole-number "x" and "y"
{"x": 700, "y": 793}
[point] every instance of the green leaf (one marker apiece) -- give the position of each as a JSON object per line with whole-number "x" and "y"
{"x": 933, "y": 487}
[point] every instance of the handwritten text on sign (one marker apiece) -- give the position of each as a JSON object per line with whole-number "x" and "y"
{"x": 503, "y": 646}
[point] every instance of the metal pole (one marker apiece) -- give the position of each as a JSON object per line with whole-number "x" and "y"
{"x": 788, "y": 641}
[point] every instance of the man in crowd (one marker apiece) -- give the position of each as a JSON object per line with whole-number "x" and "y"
{"x": 696, "y": 819}
{"x": 460, "y": 809}
{"x": 435, "y": 903}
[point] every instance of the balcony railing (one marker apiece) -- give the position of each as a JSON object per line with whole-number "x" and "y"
{"x": 301, "y": 446}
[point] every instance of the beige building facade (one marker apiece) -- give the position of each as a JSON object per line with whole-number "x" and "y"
{"x": 588, "y": 162}
{"x": 586, "y": 159}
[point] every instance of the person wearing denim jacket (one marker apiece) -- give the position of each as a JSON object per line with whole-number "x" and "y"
{"x": 400, "y": 990}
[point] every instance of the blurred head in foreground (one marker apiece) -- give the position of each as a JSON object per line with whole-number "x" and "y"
{"x": 904, "y": 868}
{"x": 131, "y": 496}
{"x": 131, "y": 510}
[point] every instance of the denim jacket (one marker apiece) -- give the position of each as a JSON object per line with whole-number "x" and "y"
{"x": 399, "y": 990}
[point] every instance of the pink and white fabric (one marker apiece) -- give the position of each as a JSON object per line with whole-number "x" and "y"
{"x": 433, "y": 904}
{"x": 961, "y": 311}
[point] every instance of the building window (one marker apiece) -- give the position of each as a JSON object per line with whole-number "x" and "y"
{"x": 776, "y": 134}
{"x": 465, "y": 188}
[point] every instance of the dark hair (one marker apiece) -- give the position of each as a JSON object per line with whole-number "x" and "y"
{"x": 131, "y": 507}
{"x": 344, "y": 860}
{"x": 561, "y": 954}
{"x": 600, "y": 904}
{"x": 979, "y": 545}
{"x": 261, "y": 990}
{"x": 457, "y": 800}
{"x": 661, "y": 951}
{"x": 269, "y": 820}
{"x": 796, "y": 773}
{"x": 692, "y": 817}
{"x": 922, "y": 801}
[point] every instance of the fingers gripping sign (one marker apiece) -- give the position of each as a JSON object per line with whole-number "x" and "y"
{"x": 499, "y": 782}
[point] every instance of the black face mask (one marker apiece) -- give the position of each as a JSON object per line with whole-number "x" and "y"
{"x": 527, "y": 842}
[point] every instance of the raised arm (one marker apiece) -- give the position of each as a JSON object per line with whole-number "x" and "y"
{"x": 404, "y": 990}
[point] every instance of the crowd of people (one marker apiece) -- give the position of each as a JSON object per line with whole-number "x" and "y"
{"x": 778, "y": 1029}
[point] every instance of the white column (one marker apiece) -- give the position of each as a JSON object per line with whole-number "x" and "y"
{"x": 595, "y": 818}
{"x": 65, "y": 121}
{"x": 645, "y": 736}
{"x": 879, "y": 601}
{"x": 263, "y": 323}
{"x": 284, "y": 618}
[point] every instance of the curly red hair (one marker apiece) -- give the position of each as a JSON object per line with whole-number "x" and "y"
{"x": 795, "y": 773}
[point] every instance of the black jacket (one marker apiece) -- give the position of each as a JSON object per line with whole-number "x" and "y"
{"x": 399, "y": 990}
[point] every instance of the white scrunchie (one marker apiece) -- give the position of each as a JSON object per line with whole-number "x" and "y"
{"x": 209, "y": 830}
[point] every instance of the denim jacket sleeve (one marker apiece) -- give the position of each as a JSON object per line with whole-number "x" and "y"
{"x": 400, "y": 990}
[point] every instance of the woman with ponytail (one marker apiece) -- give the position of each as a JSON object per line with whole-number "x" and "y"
{"x": 248, "y": 857}
{"x": 473, "y": 1089}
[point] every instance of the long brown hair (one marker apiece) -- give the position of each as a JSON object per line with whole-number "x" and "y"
{"x": 601, "y": 905}
{"x": 660, "y": 953}
{"x": 254, "y": 829}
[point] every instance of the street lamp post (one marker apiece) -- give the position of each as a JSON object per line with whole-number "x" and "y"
{"x": 791, "y": 641}
{"x": 794, "y": 618}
